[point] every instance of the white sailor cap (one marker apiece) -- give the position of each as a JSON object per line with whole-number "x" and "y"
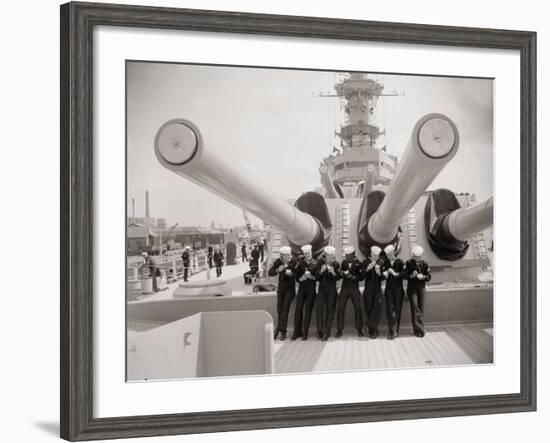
{"x": 375, "y": 250}
{"x": 187, "y": 247}
{"x": 285, "y": 250}
{"x": 349, "y": 250}
{"x": 418, "y": 250}
{"x": 144, "y": 254}
{"x": 306, "y": 249}
{"x": 329, "y": 250}
{"x": 390, "y": 249}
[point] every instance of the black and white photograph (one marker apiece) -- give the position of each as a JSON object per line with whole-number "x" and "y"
{"x": 298, "y": 221}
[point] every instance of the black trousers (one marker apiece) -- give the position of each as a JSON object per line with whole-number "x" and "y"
{"x": 210, "y": 262}
{"x": 374, "y": 299}
{"x": 416, "y": 301}
{"x": 218, "y": 269}
{"x": 305, "y": 301}
{"x": 285, "y": 295}
{"x": 396, "y": 294}
{"x": 326, "y": 306}
{"x": 349, "y": 291}
{"x": 185, "y": 272}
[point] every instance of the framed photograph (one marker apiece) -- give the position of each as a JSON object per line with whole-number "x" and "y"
{"x": 273, "y": 221}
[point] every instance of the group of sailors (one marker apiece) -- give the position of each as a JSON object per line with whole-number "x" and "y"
{"x": 215, "y": 257}
{"x": 257, "y": 251}
{"x": 256, "y": 256}
{"x": 317, "y": 287}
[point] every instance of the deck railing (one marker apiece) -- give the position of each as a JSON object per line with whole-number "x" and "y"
{"x": 171, "y": 270}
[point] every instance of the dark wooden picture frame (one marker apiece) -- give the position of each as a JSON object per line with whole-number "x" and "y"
{"x": 77, "y": 213}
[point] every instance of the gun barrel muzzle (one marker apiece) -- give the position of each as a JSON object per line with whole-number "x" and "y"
{"x": 179, "y": 146}
{"x": 433, "y": 143}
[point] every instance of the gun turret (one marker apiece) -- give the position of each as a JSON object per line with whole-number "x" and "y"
{"x": 180, "y": 147}
{"x": 433, "y": 143}
{"x": 466, "y": 222}
{"x": 448, "y": 226}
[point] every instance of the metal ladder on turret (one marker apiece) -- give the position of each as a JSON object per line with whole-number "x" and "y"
{"x": 276, "y": 243}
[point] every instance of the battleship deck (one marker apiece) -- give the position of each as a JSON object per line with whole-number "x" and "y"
{"x": 445, "y": 345}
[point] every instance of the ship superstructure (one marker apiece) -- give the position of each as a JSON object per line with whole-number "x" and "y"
{"x": 360, "y": 163}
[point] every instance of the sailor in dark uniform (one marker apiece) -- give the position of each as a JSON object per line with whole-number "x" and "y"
{"x": 261, "y": 249}
{"x": 372, "y": 293}
{"x": 352, "y": 273}
{"x": 285, "y": 268}
{"x": 417, "y": 272}
{"x": 243, "y": 252}
{"x": 210, "y": 254}
{"x": 218, "y": 261}
{"x": 252, "y": 273}
{"x": 327, "y": 272}
{"x": 186, "y": 258}
{"x": 393, "y": 271}
{"x": 255, "y": 253}
{"x": 305, "y": 275}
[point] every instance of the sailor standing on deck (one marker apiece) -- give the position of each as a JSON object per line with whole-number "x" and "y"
{"x": 243, "y": 252}
{"x": 285, "y": 268}
{"x": 218, "y": 261}
{"x": 373, "y": 290}
{"x": 352, "y": 273}
{"x": 255, "y": 253}
{"x": 209, "y": 255}
{"x": 261, "y": 249}
{"x": 186, "y": 258}
{"x": 306, "y": 293}
{"x": 154, "y": 270}
{"x": 417, "y": 272}
{"x": 327, "y": 272}
{"x": 393, "y": 271}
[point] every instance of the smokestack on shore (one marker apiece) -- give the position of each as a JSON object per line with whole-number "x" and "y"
{"x": 147, "y": 214}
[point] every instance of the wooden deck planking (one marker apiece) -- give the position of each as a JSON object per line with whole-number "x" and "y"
{"x": 430, "y": 353}
{"x": 392, "y": 348}
{"x": 340, "y": 354}
{"x": 445, "y": 345}
{"x": 406, "y": 356}
{"x": 469, "y": 345}
{"x": 412, "y": 345}
{"x": 364, "y": 360}
{"x": 483, "y": 340}
{"x": 301, "y": 361}
{"x": 356, "y": 353}
{"x": 347, "y": 361}
{"x": 459, "y": 356}
{"x": 386, "y": 353}
{"x": 440, "y": 345}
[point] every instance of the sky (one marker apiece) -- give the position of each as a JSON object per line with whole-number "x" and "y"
{"x": 273, "y": 123}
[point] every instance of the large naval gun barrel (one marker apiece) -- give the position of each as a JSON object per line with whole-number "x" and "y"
{"x": 466, "y": 222}
{"x": 433, "y": 143}
{"x": 179, "y": 146}
{"x": 449, "y": 227}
